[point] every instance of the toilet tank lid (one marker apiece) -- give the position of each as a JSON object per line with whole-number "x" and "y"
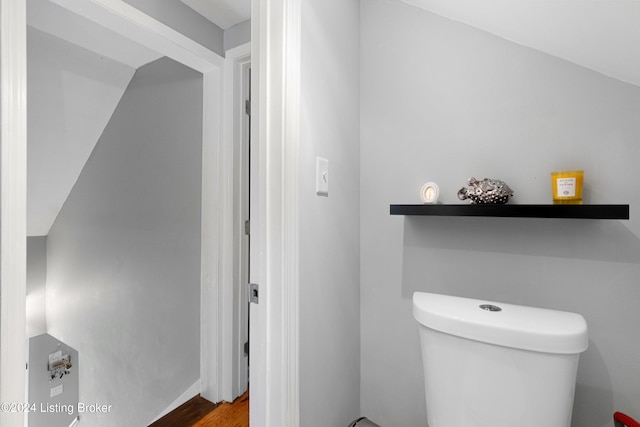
{"x": 516, "y": 326}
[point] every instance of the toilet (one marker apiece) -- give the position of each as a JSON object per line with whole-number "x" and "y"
{"x": 489, "y": 364}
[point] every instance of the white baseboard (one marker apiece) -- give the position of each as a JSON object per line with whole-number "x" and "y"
{"x": 192, "y": 391}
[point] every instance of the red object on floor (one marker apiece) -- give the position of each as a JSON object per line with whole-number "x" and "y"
{"x": 622, "y": 420}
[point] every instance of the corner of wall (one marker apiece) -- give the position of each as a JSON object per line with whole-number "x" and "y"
{"x": 237, "y": 35}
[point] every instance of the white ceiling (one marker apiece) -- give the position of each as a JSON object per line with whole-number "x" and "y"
{"x": 603, "y": 35}
{"x": 223, "y": 13}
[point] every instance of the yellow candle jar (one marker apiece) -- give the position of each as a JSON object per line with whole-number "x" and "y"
{"x": 567, "y": 187}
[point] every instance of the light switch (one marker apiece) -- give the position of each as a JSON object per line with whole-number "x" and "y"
{"x": 322, "y": 177}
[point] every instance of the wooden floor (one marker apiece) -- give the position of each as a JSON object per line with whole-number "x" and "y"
{"x": 199, "y": 412}
{"x": 234, "y": 414}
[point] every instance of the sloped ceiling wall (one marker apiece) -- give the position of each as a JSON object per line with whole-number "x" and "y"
{"x": 77, "y": 73}
{"x": 602, "y": 35}
{"x": 72, "y": 94}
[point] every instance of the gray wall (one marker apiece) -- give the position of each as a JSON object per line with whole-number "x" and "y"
{"x": 329, "y": 226}
{"x": 442, "y": 101}
{"x": 36, "y": 285}
{"x": 123, "y": 284}
{"x": 185, "y": 20}
{"x": 237, "y": 35}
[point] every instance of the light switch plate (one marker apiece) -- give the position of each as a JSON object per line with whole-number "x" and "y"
{"x": 322, "y": 177}
{"x": 56, "y": 391}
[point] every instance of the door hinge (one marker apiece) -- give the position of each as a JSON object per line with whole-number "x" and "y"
{"x": 247, "y": 107}
{"x": 246, "y": 349}
{"x": 247, "y": 227}
{"x": 253, "y": 293}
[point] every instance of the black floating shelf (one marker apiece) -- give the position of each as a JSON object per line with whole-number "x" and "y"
{"x": 517, "y": 211}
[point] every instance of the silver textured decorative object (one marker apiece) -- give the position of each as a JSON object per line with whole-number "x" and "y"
{"x": 487, "y": 191}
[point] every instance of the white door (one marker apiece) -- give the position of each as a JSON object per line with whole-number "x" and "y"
{"x": 243, "y": 354}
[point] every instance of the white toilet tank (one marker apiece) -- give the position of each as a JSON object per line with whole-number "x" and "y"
{"x": 489, "y": 364}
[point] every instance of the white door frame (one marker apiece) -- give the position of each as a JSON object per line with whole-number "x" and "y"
{"x": 13, "y": 208}
{"x": 275, "y": 37}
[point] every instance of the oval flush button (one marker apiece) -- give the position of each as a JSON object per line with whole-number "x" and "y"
{"x": 490, "y": 307}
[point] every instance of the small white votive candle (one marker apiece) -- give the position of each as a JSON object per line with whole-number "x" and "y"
{"x": 429, "y": 193}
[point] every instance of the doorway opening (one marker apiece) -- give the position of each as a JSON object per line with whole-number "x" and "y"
{"x": 211, "y": 68}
